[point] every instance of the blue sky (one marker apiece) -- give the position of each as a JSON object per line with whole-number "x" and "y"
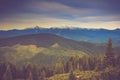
{"x": 20, "y": 14}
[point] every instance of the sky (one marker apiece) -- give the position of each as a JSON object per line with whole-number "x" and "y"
{"x": 20, "y": 14}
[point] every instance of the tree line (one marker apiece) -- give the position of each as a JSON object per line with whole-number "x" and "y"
{"x": 107, "y": 64}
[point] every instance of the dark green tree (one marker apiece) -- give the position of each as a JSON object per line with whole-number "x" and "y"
{"x": 43, "y": 75}
{"x": 72, "y": 76}
{"x": 8, "y": 74}
{"x": 109, "y": 59}
{"x": 30, "y": 76}
{"x": 59, "y": 68}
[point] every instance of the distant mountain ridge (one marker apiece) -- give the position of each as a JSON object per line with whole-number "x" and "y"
{"x": 51, "y": 40}
{"x": 78, "y": 34}
{"x": 48, "y": 40}
{"x": 45, "y": 48}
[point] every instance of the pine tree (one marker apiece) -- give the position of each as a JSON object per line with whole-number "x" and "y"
{"x": 43, "y": 75}
{"x": 30, "y": 76}
{"x": 109, "y": 59}
{"x": 70, "y": 65}
{"x": 7, "y": 75}
{"x": 59, "y": 68}
{"x": 72, "y": 76}
{"x": 35, "y": 73}
{"x": 99, "y": 63}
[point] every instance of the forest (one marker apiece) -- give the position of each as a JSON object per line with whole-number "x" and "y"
{"x": 88, "y": 67}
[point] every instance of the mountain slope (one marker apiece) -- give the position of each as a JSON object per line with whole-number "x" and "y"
{"x": 45, "y": 49}
{"x": 23, "y": 54}
{"x": 48, "y": 40}
{"x": 78, "y": 34}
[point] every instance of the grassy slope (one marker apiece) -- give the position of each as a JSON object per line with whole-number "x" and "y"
{"x": 47, "y": 40}
{"x": 38, "y": 55}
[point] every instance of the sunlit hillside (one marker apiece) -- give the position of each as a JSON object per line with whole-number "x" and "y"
{"x": 33, "y": 54}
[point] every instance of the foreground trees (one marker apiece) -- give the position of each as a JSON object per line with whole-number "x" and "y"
{"x": 72, "y": 76}
{"x": 7, "y": 74}
{"x": 107, "y": 65}
{"x": 87, "y": 63}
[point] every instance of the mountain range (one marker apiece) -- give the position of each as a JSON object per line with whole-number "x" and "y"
{"x": 50, "y": 47}
{"x": 77, "y": 34}
{"x": 47, "y": 40}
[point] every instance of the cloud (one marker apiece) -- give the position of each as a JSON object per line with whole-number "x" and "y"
{"x": 59, "y": 13}
{"x": 104, "y": 5}
{"x": 106, "y": 18}
{"x": 53, "y": 9}
{"x": 57, "y": 9}
{"x": 48, "y": 22}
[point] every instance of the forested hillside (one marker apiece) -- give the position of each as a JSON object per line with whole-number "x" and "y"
{"x": 88, "y": 67}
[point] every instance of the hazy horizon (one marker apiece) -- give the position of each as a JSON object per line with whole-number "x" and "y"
{"x": 67, "y": 27}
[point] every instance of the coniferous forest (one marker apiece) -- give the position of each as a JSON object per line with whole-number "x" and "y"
{"x": 88, "y": 67}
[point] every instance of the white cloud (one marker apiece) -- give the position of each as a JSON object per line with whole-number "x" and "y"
{"x": 48, "y": 22}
